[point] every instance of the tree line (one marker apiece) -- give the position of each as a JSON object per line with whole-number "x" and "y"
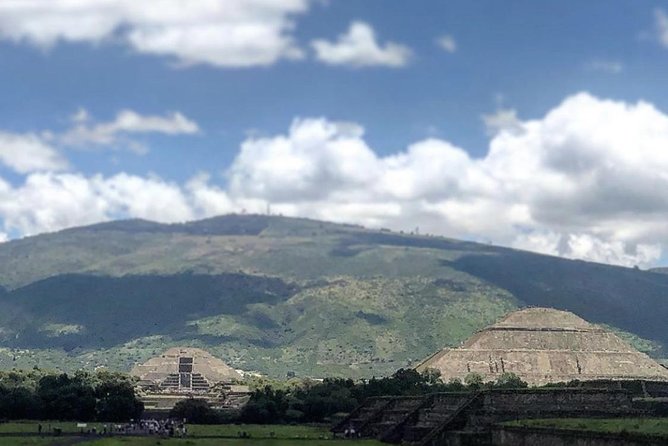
{"x": 82, "y": 396}
{"x": 110, "y": 396}
{"x": 298, "y": 401}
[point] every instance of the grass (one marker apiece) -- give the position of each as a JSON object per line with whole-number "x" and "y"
{"x": 30, "y": 441}
{"x": 136, "y": 441}
{"x": 21, "y": 427}
{"x": 152, "y": 441}
{"x": 225, "y": 434}
{"x": 647, "y": 426}
{"x": 256, "y": 431}
{"x": 260, "y": 431}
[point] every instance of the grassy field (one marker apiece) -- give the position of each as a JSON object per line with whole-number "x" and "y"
{"x": 260, "y": 435}
{"x": 647, "y": 426}
{"x": 231, "y": 442}
{"x": 145, "y": 441}
{"x": 21, "y": 427}
{"x": 260, "y": 431}
{"x": 194, "y": 430}
{"x": 31, "y": 441}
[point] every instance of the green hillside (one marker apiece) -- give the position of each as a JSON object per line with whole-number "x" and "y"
{"x": 278, "y": 294}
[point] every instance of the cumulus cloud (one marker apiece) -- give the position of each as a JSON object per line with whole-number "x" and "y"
{"x": 587, "y": 180}
{"x": 86, "y": 133}
{"x": 358, "y": 47}
{"x": 224, "y": 33}
{"x": 25, "y": 153}
{"x": 447, "y": 43}
{"x": 52, "y": 201}
{"x": 207, "y": 200}
{"x": 504, "y": 119}
{"x": 661, "y": 26}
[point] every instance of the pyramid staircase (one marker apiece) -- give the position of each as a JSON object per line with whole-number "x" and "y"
{"x": 199, "y": 383}
{"x": 171, "y": 382}
{"x": 379, "y": 415}
{"x": 190, "y": 381}
{"x": 436, "y": 412}
{"x": 362, "y": 415}
{"x": 393, "y": 414}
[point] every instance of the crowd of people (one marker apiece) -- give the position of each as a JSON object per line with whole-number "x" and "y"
{"x": 148, "y": 427}
{"x": 168, "y": 427}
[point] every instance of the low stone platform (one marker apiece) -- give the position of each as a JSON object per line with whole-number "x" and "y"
{"x": 453, "y": 418}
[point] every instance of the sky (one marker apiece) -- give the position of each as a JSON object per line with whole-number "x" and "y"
{"x": 536, "y": 125}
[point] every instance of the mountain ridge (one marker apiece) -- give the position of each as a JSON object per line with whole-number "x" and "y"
{"x": 280, "y": 294}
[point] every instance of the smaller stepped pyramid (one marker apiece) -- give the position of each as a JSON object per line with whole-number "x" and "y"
{"x": 185, "y": 369}
{"x": 181, "y": 373}
{"x": 544, "y": 345}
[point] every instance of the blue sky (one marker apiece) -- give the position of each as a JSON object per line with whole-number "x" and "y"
{"x": 256, "y": 111}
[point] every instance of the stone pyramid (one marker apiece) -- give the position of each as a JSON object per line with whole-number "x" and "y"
{"x": 543, "y": 345}
{"x": 182, "y": 364}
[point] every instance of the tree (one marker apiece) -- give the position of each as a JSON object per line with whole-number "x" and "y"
{"x": 317, "y": 402}
{"x": 266, "y": 406}
{"x": 455, "y": 385}
{"x": 65, "y": 398}
{"x": 196, "y": 411}
{"x": 509, "y": 380}
{"x": 116, "y": 399}
{"x": 18, "y": 403}
{"x": 474, "y": 380}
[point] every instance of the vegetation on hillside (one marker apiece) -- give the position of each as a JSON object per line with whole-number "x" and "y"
{"x": 288, "y": 296}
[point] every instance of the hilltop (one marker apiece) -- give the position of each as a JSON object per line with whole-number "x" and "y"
{"x": 278, "y": 294}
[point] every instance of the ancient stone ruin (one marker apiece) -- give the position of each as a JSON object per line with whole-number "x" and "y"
{"x": 543, "y": 345}
{"x": 468, "y": 417}
{"x": 181, "y": 373}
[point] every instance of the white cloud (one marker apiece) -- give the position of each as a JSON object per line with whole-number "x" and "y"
{"x": 224, "y": 33}
{"x": 80, "y": 116}
{"x": 28, "y": 153}
{"x": 52, "y": 201}
{"x": 661, "y": 26}
{"x": 49, "y": 201}
{"x": 605, "y": 66}
{"x": 587, "y": 180}
{"x": 208, "y": 200}
{"x": 358, "y": 48}
{"x": 84, "y": 133}
{"x": 447, "y": 43}
{"x": 317, "y": 156}
{"x": 502, "y": 120}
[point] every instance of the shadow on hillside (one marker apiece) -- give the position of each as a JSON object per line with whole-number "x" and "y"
{"x": 117, "y": 310}
{"x": 629, "y": 299}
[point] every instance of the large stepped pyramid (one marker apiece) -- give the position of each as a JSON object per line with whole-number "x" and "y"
{"x": 544, "y": 345}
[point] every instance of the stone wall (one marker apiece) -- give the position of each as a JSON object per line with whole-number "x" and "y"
{"x": 521, "y": 436}
{"x": 503, "y": 405}
{"x": 430, "y": 420}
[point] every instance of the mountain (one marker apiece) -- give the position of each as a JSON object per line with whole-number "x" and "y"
{"x": 277, "y": 294}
